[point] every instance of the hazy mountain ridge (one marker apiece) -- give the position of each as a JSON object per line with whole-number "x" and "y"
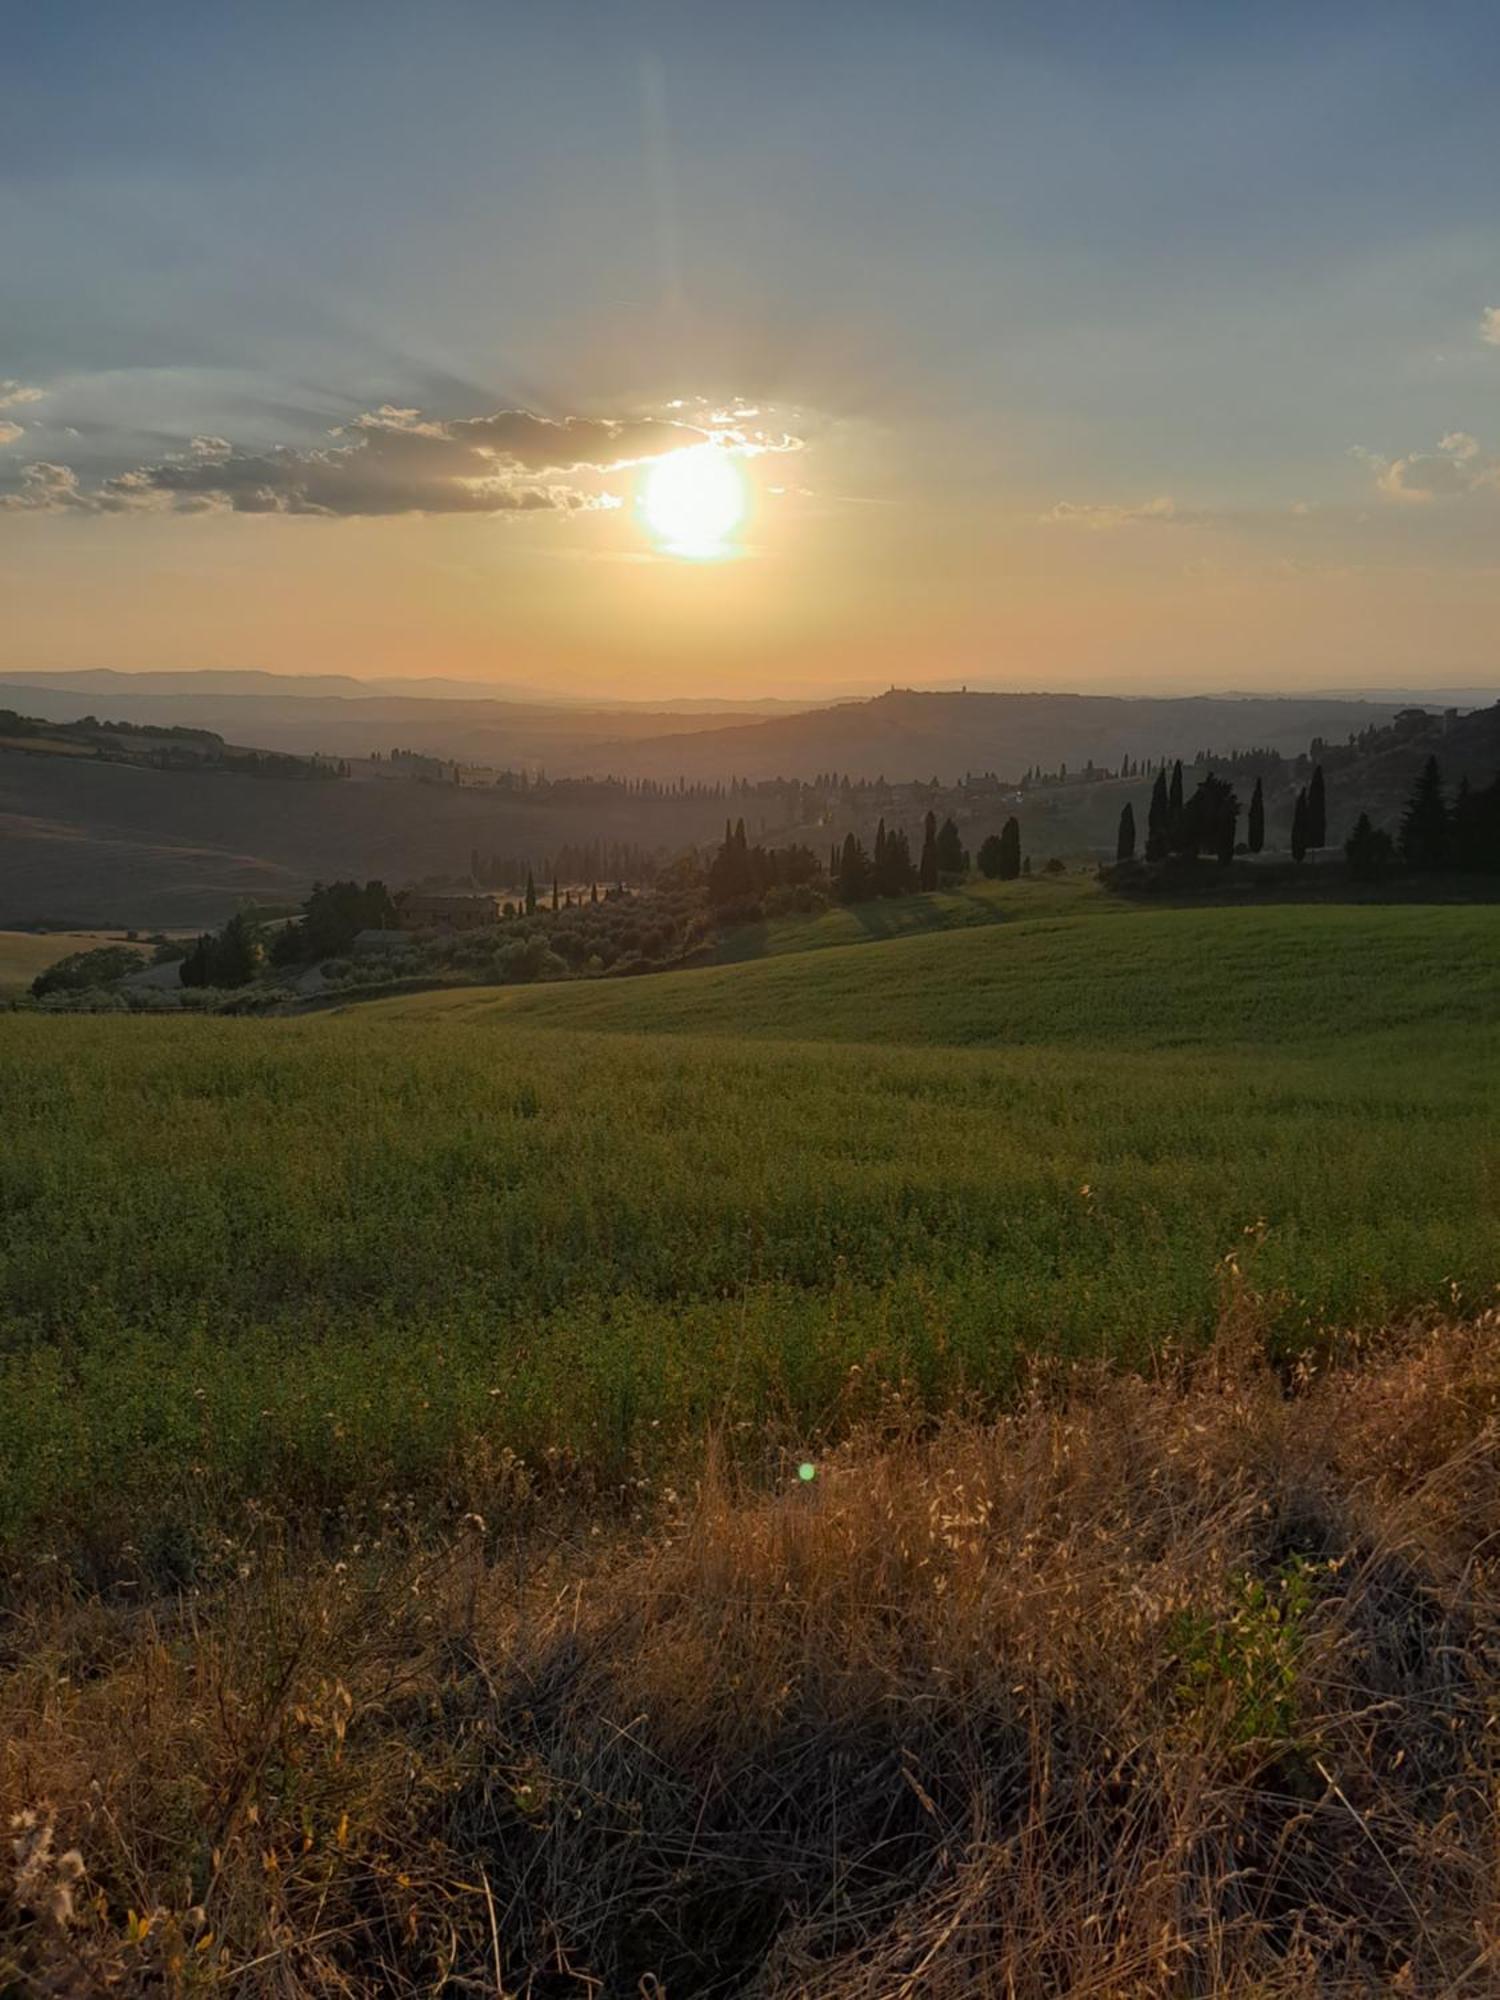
{"x": 908, "y": 733}
{"x": 904, "y": 733}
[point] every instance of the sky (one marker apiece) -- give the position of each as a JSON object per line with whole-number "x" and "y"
{"x": 1121, "y": 346}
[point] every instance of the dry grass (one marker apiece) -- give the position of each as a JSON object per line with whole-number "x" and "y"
{"x": 1176, "y": 1687}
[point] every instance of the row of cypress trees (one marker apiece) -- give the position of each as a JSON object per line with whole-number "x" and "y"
{"x": 1208, "y": 820}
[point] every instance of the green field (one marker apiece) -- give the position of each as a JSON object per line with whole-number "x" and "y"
{"x": 23, "y": 954}
{"x": 334, "y": 1261}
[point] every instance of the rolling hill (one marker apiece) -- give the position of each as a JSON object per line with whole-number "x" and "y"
{"x": 902, "y": 734}
{"x": 84, "y": 842}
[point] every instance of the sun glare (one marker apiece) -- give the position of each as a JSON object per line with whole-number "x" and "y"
{"x": 694, "y": 500}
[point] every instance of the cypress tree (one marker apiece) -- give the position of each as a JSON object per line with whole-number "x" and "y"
{"x": 951, "y": 858}
{"x": 1174, "y": 809}
{"x": 1010, "y": 849}
{"x": 530, "y": 894}
{"x": 1299, "y": 827}
{"x": 1317, "y": 810}
{"x": 854, "y": 872}
{"x": 1368, "y": 850}
{"x": 1425, "y": 826}
{"x": 1157, "y": 819}
{"x": 1125, "y": 838}
{"x": 927, "y": 870}
{"x": 1256, "y": 834}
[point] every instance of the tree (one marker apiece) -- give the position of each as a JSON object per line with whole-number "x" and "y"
{"x": 1157, "y": 817}
{"x": 1317, "y": 810}
{"x": 1010, "y": 844}
{"x": 530, "y": 894}
{"x": 1174, "y": 807}
{"x": 1474, "y": 827}
{"x": 332, "y": 918}
{"x": 854, "y": 877}
{"x": 1256, "y": 831}
{"x": 1368, "y": 850}
{"x": 927, "y": 871}
{"x": 1425, "y": 826}
{"x": 1208, "y": 820}
{"x": 894, "y": 874}
{"x": 230, "y": 957}
{"x": 1125, "y": 838}
{"x": 84, "y": 969}
{"x": 952, "y": 859}
{"x": 236, "y": 953}
{"x": 991, "y": 851}
{"x": 1299, "y": 827}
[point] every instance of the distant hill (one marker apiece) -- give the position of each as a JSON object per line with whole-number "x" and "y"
{"x": 911, "y": 734}
{"x": 86, "y": 842}
{"x": 96, "y": 681}
{"x": 1377, "y": 776}
{"x": 339, "y": 718}
{"x": 902, "y": 734}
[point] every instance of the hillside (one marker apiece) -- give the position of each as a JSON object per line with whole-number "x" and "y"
{"x": 347, "y": 718}
{"x": 650, "y": 1470}
{"x": 84, "y": 842}
{"x": 908, "y": 734}
{"x": 924, "y": 1154}
{"x": 903, "y": 734}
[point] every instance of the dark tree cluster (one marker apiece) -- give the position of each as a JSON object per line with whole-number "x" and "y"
{"x": 1461, "y": 834}
{"x": 227, "y": 958}
{"x": 83, "y": 970}
{"x": 332, "y": 918}
{"x": 740, "y": 874}
{"x": 1185, "y": 827}
{"x": 858, "y": 876}
{"x": 1310, "y": 816}
{"x": 1000, "y": 853}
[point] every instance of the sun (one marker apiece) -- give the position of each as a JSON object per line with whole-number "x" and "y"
{"x": 694, "y": 500}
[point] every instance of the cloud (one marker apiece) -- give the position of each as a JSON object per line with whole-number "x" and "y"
{"x": 13, "y": 392}
{"x": 395, "y": 460}
{"x": 1459, "y": 466}
{"x": 1489, "y": 325}
{"x": 1104, "y": 518}
{"x": 51, "y": 489}
{"x": 9, "y": 432}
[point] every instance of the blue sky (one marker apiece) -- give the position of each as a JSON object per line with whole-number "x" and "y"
{"x": 1039, "y": 289}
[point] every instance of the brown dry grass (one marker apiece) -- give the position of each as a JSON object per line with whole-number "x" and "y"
{"x": 1180, "y": 1686}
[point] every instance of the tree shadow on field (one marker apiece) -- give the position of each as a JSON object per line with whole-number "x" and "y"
{"x": 1205, "y": 883}
{"x": 880, "y": 919}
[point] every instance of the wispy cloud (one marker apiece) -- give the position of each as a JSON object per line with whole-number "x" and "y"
{"x": 1106, "y": 517}
{"x": 1489, "y": 325}
{"x": 394, "y": 460}
{"x": 12, "y": 395}
{"x": 1458, "y": 466}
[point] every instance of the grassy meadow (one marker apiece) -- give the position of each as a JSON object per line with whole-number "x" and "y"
{"x": 337, "y": 1263}
{"x": 23, "y": 954}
